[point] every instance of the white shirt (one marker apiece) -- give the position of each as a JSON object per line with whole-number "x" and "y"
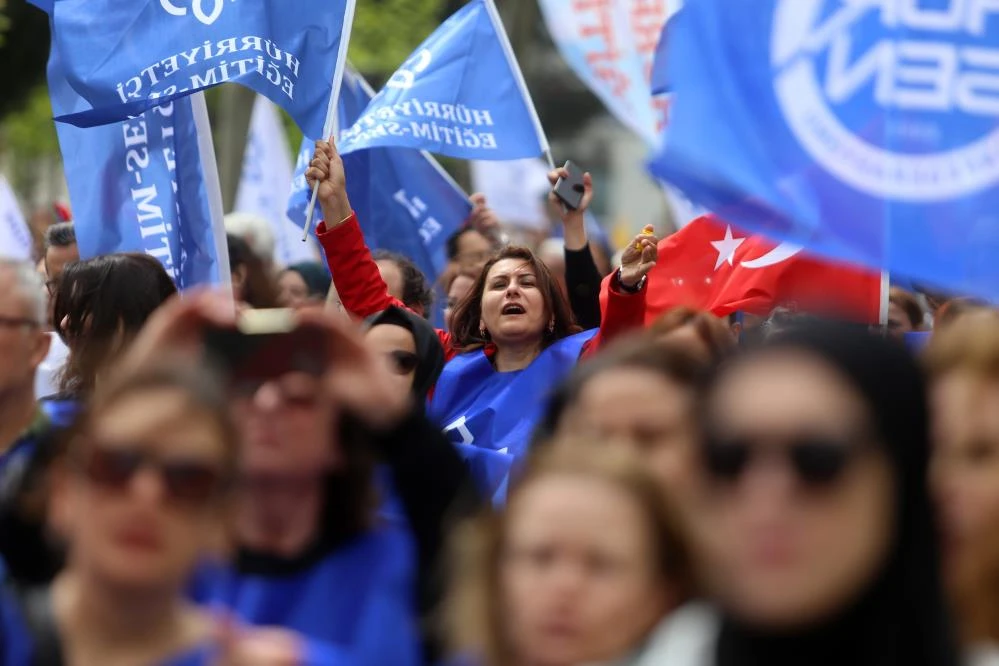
{"x": 47, "y": 375}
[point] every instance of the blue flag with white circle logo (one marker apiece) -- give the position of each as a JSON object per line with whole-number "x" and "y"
{"x": 404, "y": 201}
{"x": 124, "y": 57}
{"x": 460, "y": 94}
{"x": 865, "y": 130}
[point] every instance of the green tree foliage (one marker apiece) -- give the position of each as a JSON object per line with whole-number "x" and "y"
{"x": 385, "y": 32}
{"x": 24, "y": 50}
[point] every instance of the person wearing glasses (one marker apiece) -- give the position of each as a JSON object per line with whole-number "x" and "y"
{"x": 313, "y": 553}
{"x": 814, "y": 519}
{"x": 141, "y": 494}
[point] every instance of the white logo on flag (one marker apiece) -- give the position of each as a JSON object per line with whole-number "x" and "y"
{"x": 197, "y": 8}
{"x": 405, "y": 76}
{"x": 939, "y": 77}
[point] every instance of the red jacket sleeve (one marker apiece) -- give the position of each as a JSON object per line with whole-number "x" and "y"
{"x": 625, "y": 312}
{"x": 356, "y": 276}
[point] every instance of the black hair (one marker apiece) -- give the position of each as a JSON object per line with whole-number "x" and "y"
{"x": 101, "y": 304}
{"x": 454, "y": 239}
{"x": 900, "y": 617}
{"x": 62, "y": 234}
{"x": 417, "y": 293}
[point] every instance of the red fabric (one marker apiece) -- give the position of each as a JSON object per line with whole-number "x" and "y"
{"x": 693, "y": 272}
{"x": 363, "y": 292}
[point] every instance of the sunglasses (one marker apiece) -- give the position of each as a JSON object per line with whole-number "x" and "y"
{"x": 189, "y": 483}
{"x": 817, "y": 462}
{"x": 403, "y": 362}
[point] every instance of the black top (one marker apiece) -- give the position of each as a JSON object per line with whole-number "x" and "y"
{"x": 582, "y": 281}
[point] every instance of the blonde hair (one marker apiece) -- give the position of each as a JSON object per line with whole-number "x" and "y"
{"x": 473, "y": 614}
{"x": 969, "y": 343}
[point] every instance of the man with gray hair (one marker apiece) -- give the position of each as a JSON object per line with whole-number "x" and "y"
{"x": 23, "y": 346}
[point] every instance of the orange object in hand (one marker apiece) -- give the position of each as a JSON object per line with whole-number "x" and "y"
{"x": 649, "y": 230}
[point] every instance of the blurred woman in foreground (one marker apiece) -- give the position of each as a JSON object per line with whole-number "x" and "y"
{"x": 582, "y": 566}
{"x": 142, "y": 495}
{"x": 814, "y": 519}
{"x": 964, "y": 362}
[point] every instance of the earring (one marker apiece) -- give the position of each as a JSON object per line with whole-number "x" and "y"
{"x": 483, "y": 333}
{"x": 551, "y": 326}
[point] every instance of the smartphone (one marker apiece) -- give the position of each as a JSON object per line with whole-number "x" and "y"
{"x": 570, "y": 190}
{"x": 266, "y": 344}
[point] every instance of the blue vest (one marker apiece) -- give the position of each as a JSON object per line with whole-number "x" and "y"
{"x": 480, "y": 408}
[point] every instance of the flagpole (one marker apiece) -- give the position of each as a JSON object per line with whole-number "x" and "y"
{"x": 519, "y": 76}
{"x": 213, "y": 188}
{"x": 341, "y": 62}
{"x": 885, "y": 300}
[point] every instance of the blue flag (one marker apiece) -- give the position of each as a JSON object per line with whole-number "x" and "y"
{"x": 866, "y": 131}
{"x": 126, "y": 56}
{"x": 460, "y": 94}
{"x": 141, "y": 186}
{"x": 660, "y": 74}
{"x": 405, "y": 202}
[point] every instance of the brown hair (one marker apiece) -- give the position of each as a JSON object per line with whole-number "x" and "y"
{"x": 473, "y": 612}
{"x": 910, "y": 306}
{"x": 672, "y": 362}
{"x": 203, "y": 392}
{"x": 710, "y": 330}
{"x": 970, "y": 344}
{"x": 954, "y": 309}
{"x": 468, "y": 314}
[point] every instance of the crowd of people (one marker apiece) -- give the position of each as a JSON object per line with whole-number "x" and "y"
{"x": 541, "y": 482}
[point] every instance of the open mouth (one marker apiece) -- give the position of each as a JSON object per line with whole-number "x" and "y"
{"x": 513, "y": 309}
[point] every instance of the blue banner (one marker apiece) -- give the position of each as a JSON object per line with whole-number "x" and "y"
{"x": 139, "y": 186}
{"x": 866, "y": 131}
{"x": 126, "y": 56}
{"x": 459, "y": 94}
{"x": 405, "y": 202}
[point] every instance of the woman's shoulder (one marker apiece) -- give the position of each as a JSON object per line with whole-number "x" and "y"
{"x": 686, "y": 637}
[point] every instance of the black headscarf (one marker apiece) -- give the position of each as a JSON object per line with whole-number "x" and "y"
{"x": 428, "y": 346}
{"x": 315, "y": 276}
{"x": 901, "y": 618}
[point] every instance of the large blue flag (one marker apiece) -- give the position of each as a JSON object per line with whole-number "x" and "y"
{"x": 127, "y": 56}
{"x": 460, "y": 94}
{"x": 145, "y": 185}
{"x": 866, "y": 131}
{"x": 405, "y": 202}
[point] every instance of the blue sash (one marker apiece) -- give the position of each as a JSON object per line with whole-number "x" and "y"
{"x": 61, "y": 413}
{"x": 480, "y": 408}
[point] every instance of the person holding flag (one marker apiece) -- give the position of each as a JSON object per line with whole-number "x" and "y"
{"x": 512, "y": 339}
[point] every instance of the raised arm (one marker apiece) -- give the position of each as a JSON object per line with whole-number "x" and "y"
{"x": 626, "y": 291}
{"x": 355, "y": 274}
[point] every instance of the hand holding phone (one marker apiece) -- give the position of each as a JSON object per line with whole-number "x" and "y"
{"x": 570, "y": 188}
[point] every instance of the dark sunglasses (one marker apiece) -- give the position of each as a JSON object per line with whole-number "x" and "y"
{"x": 403, "y": 362}
{"x": 185, "y": 482}
{"x": 817, "y": 462}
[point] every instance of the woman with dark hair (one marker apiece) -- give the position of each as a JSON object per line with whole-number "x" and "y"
{"x": 100, "y": 306}
{"x": 302, "y": 284}
{"x": 814, "y": 520}
{"x": 513, "y": 337}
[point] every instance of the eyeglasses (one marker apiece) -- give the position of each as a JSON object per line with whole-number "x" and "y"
{"x": 403, "y": 362}
{"x": 817, "y": 462}
{"x": 189, "y": 483}
{"x": 16, "y": 322}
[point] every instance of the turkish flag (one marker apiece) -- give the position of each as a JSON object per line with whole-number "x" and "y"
{"x": 710, "y": 266}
